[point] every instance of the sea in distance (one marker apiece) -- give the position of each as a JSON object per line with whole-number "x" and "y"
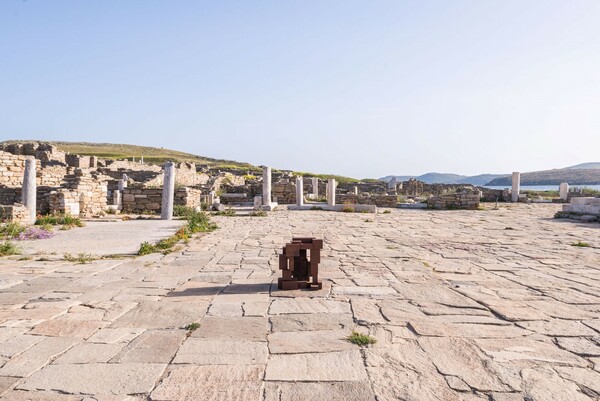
{"x": 545, "y": 187}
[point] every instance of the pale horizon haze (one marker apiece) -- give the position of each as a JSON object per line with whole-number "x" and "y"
{"x": 356, "y": 88}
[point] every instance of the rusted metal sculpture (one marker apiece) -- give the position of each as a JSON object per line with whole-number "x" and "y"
{"x": 300, "y": 269}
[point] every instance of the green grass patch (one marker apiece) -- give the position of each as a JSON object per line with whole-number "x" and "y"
{"x": 67, "y": 222}
{"x": 580, "y": 244}
{"x": 361, "y": 339}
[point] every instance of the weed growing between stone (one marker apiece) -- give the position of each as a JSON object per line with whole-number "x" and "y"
{"x": 197, "y": 222}
{"x": 8, "y": 248}
{"x": 580, "y": 244}
{"x": 191, "y": 328}
{"x": 361, "y": 339}
{"x": 81, "y": 258}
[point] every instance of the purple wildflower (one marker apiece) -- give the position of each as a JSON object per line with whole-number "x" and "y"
{"x": 35, "y": 233}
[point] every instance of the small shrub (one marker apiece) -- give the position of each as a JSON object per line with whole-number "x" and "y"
{"x": 368, "y": 221}
{"x": 508, "y": 228}
{"x": 183, "y": 211}
{"x": 146, "y": 248}
{"x": 316, "y": 208}
{"x": 200, "y": 222}
{"x": 361, "y": 339}
{"x": 8, "y": 248}
{"x": 258, "y": 213}
{"x": 387, "y": 211}
{"x": 580, "y": 244}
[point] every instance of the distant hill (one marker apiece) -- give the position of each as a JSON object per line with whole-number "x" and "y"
{"x": 573, "y": 176}
{"x": 480, "y": 179}
{"x": 585, "y": 166}
{"x": 447, "y": 178}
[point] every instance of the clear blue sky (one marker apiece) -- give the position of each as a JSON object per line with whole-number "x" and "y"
{"x": 359, "y": 88}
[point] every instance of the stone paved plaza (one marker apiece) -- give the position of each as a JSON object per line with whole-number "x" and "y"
{"x": 465, "y": 305}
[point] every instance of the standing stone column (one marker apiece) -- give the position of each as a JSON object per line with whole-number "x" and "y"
{"x": 563, "y": 191}
{"x": 355, "y": 190}
{"x": 266, "y": 186}
{"x": 299, "y": 191}
{"x": 315, "y": 189}
{"x": 168, "y": 193}
{"x": 29, "y": 189}
{"x": 123, "y": 182}
{"x": 516, "y": 186}
{"x": 331, "y": 192}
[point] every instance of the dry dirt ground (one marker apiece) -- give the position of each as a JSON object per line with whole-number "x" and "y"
{"x": 465, "y": 305}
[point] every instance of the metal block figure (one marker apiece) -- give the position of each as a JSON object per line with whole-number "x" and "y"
{"x": 299, "y": 264}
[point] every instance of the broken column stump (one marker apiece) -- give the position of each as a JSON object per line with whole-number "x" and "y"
{"x": 299, "y": 268}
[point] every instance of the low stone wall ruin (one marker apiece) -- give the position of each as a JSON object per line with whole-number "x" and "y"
{"x": 459, "y": 200}
{"x": 149, "y": 200}
{"x": 16, "y": 213}
{"x": 377, "y": 200}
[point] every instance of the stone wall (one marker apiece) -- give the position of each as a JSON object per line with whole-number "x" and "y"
{"x": 379, "y": 187}
{"x": 51, "y": 175}
{"x": 185, "y": 175}
{"x": 187, "y": 197}
{"x": 149, "y": 200}
{"x": 284, "y": 192}
{"x": 64, "y": 201}
{"x": 8, "y": 196}
{"x": 78, "y": 161}
{"x": 12, "y": 168}
{"x": 459, "y": 200}
{"x": 493, "y": 195}
{"x": 91, "y": 190}
{"x": 16, "y": 213}
{"x": 42, "y": 151}
{"x": 377, "y": 200}
{"x": 583, "y": 206}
